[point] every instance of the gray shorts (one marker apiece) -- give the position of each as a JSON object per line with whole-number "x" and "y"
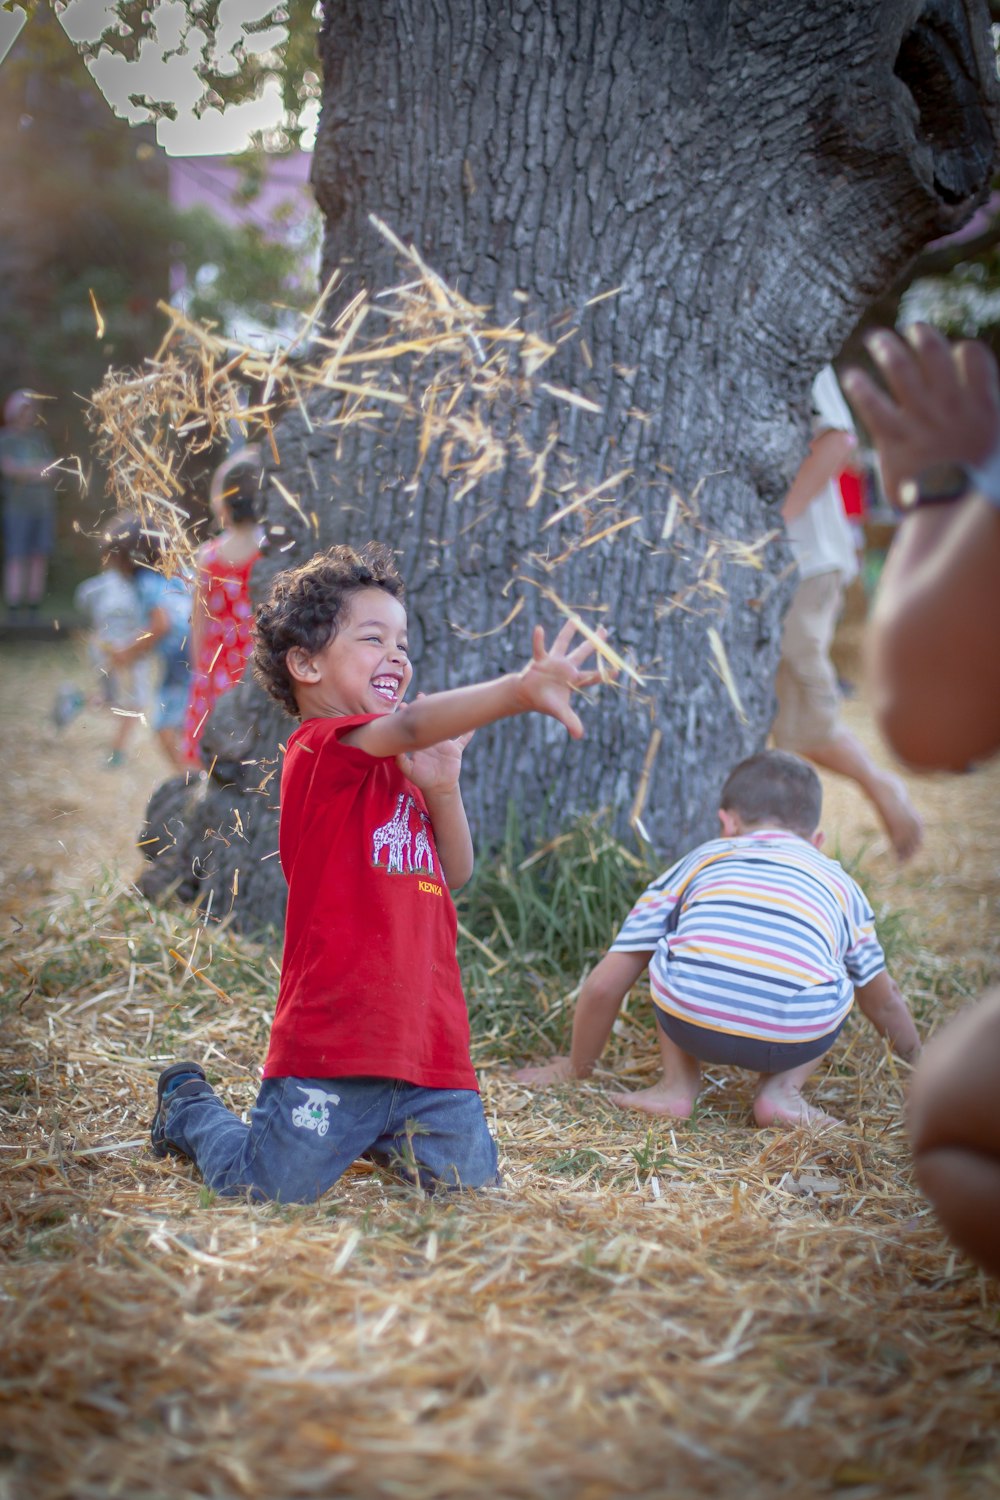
{"x": 722, "y": 1048}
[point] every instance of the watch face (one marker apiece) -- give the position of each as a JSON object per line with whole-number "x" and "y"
{"x": 937, "y": 485}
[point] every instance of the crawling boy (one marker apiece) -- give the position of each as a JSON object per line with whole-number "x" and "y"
{"x": 369, "y": 1048}
{"x": 757, "y": 945}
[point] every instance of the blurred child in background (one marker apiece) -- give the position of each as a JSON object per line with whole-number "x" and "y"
{"x": 221, "y": 612}
{"x": 165, "y": 606}
{"x": 109, "y": 602}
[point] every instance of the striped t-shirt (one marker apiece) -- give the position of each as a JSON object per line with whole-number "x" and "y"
{"x": 759, "y": 936}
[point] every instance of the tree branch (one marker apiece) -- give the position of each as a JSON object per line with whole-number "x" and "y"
{"x": 939, "y": 259}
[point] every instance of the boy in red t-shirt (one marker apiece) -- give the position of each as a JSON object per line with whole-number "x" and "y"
{"x": 369, "y": 1049}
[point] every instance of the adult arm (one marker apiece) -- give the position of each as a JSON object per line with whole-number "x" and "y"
{"x": 955, "y": 1129}
{"x": 600, "y": 1000}
{"x": 933, "y": 661}
{"x": 882, "y": 1003}
{"x": 933, "y": 647}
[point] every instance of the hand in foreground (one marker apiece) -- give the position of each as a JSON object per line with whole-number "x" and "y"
{"x": 435, "y": 769}
{"x": 559, "y": 1070}
{"x": 552, "y": 675}
{"x": 942, "y": 403}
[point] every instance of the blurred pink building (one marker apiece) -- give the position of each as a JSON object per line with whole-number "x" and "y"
{"x": 281, "y": 204}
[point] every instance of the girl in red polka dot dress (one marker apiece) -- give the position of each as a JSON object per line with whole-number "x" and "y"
{"x": 222, "y": 613}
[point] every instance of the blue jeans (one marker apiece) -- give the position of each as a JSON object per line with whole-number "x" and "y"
{"x": 305, "y": 1132}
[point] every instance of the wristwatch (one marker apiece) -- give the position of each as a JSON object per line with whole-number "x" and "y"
{"x": 941, "y": 484}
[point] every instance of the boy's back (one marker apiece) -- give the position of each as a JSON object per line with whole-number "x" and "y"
{"x": 759, "y": 935}
{"x": 756, "y": 944}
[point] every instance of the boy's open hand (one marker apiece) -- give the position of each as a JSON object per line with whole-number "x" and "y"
{"x": 559, "y": 1070}
{"x": 552, "y": 675}
{"x": 437, "y": 768}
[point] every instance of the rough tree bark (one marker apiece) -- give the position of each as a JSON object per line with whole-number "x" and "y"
{"x": 751, "y": 176}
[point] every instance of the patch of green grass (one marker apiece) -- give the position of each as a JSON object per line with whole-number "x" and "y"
{"x": 110, "y": 940}
{"x": 577, "y": 1163}
{"x": 532, "y": 923}
{"x": 651, "y": 1156}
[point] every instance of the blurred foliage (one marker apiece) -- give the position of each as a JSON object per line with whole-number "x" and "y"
{"x": 279, "y": 43}
{"x": 959, "y": 279}
{"x": 90, "y": 244}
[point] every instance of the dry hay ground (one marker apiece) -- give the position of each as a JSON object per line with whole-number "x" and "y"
{"x": 708, "y": 1309}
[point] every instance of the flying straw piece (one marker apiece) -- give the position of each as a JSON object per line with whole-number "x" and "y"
{"x": 478, "y": 943}
{"x": 642, "y": 789}
{"x": 290, "y": 499}
{"x": 479, "y": 635}
{"x": 609, "y": 530}
{"x": 600, "y": 645}
{"x": 538, "y": 471}
{"x": 592, "y": 494}
{"x": 98, "y": 319}
{"x": 725, "y": 671}
{"x": 378, "y": 393}
{"x": 561, "y": 394}
{"x": 603, "y": 296}
{"x": 200, "y": 974}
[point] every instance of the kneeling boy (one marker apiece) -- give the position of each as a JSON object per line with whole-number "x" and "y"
{"x": 369, "y": 1049}
{"x": 757, "y": 945}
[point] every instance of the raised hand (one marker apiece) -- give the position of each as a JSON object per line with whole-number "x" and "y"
{"x": 546, "y": 683}
{"x": 942, "y": 404}
{"x": 437, "y": 768}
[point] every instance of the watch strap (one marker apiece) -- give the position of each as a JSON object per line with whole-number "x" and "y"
{"x": 939, "y": 484}
{"x": 986, "y": 477}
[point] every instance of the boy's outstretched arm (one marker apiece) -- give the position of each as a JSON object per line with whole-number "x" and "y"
{"x": 543, "y": 686}
{"x": 880, "y": 1000}
{"x": 601, "y": 996}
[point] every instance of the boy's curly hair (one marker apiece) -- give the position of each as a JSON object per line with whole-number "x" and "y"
{"x": 305, "y": 606}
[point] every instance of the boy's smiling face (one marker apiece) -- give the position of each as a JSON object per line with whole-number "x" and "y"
{"x": 364, "y": 668}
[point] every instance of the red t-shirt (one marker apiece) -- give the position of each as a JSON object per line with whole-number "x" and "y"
{"x": 370, "y": 984}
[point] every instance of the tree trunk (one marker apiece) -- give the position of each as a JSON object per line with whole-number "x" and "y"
{"x": 748, "y": 176}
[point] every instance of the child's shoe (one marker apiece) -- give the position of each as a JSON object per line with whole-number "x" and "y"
{"x": 178, "y": 1075}
{"x": 69, "y": 702}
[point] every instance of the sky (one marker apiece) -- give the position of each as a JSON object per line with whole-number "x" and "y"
{"x": 173, "y": 78}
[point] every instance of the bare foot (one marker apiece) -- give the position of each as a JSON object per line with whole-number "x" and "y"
{"x": 787, "y": 1106}
{"x": 658, "y": 1100}
{"x": 903, "y": 823}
